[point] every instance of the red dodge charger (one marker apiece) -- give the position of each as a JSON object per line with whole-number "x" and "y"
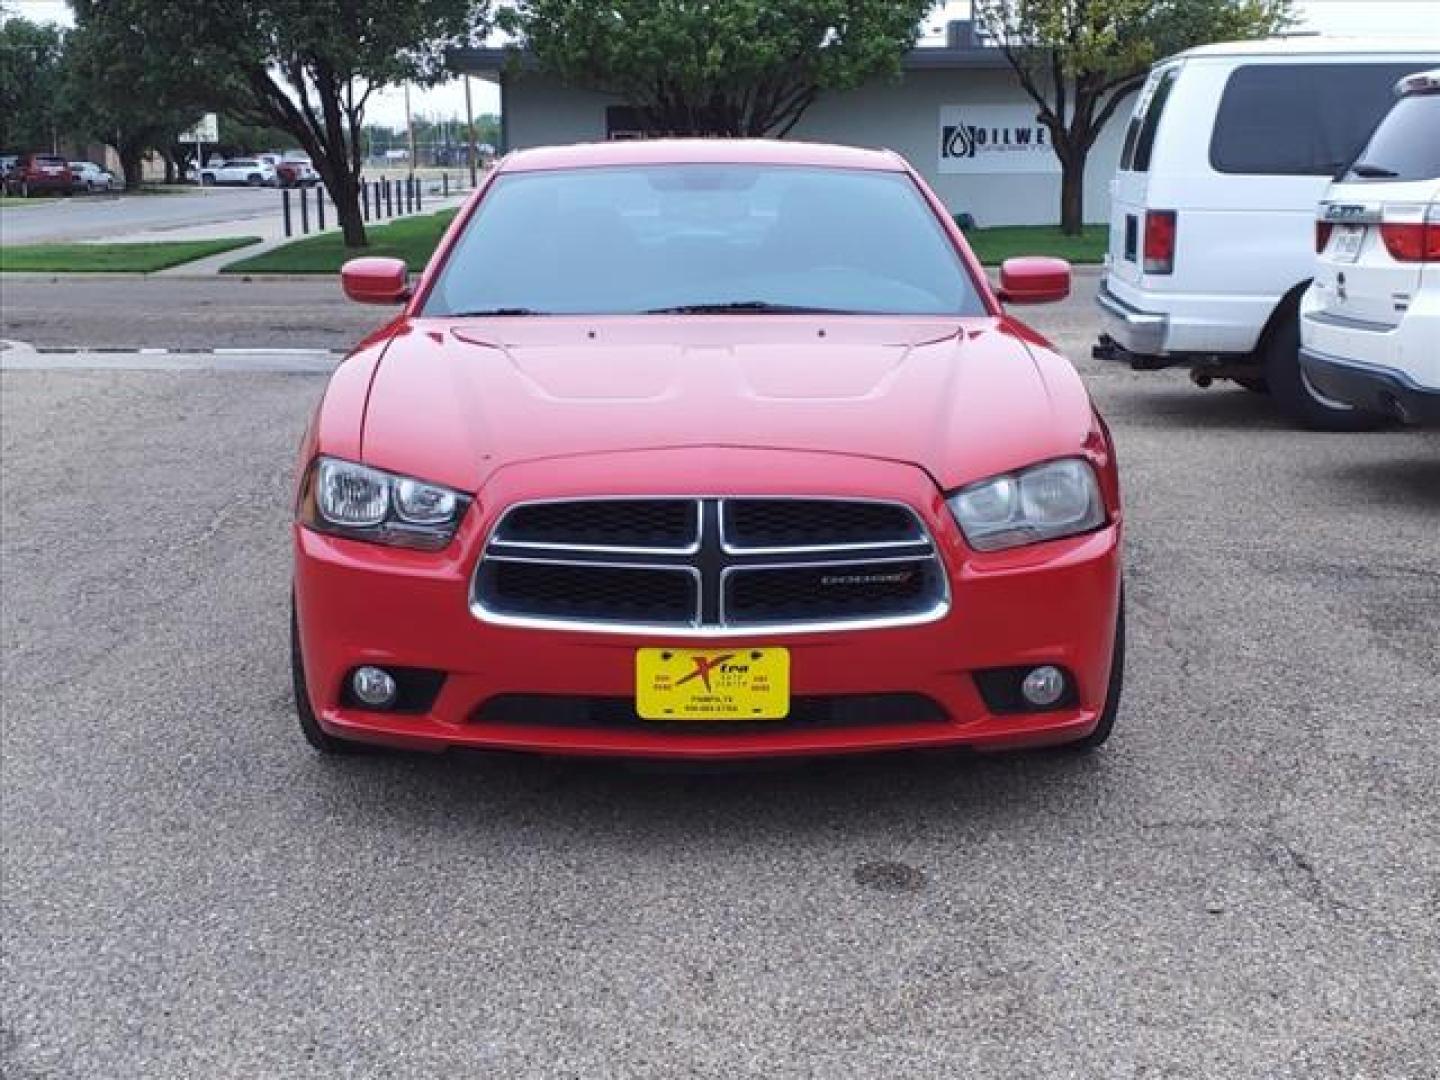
{"x": 706, "y": 449}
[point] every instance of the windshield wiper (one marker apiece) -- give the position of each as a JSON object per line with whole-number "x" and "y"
{"x": 494, "y": 313}
{"x": 743, "y": 306}
{"x": 1372, "y": 172}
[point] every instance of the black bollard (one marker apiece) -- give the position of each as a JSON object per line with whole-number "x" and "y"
{"x": 285, "y": 208}
{"x": 319, "y": 208}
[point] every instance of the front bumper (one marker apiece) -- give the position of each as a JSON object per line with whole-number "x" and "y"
{"x": 1053, "y": 603}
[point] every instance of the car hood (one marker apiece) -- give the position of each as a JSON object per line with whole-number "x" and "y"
{"x": 454, "y": 401}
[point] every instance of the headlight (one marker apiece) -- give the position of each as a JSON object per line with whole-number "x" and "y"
{"x": 356, "y": 501}
{"x": 1059, "y": 498}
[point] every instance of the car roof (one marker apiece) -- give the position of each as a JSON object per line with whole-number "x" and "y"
{"x": 1317, "y": 45}
{"x": 700, "y": 152}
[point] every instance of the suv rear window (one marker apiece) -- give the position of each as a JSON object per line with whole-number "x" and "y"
{"x": 1299, "y": 119}
{"x": 1406, "y": 145}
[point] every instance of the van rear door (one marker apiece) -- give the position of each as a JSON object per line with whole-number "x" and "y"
{"x": 1129, "y": 189}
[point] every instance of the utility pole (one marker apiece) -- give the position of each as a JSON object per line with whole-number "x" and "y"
{"x": 469, "y": 132}
{"x": 410, "y": 129}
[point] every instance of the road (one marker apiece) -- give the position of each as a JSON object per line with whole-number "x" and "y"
{"x": 1244, "y": 884}
{"x": 169, "y": 313}
{"x": 100, "y": 216}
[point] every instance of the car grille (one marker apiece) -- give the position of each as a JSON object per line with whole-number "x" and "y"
{"x": 710, "y": 566}
{"x": 828, "y": 712}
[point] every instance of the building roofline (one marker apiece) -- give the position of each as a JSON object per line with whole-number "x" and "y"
{"x": 489, "y": 63}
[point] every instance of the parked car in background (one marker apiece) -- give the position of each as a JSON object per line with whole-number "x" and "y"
{"x": 36, "y": 174}
{"x": 659, "y": 461}
{"x": 87, "y": 176}
{"x": 1228, "y": 152}
{"x": 1370, "y": 322}
{"x": 7, "y": 165}
{"x": 292, "y": 170}
{"x": 251, "y": 172}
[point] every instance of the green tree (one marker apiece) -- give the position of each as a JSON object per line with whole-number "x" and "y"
{"x": 739, "y": 67}
{"x": 31, "y": 77}
{"x": 310, "y": 66}
{"x": 1079, "y": 59}
{"x": 130, "y": 88}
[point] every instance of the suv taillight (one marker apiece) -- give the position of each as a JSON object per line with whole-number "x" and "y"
{"x": 1159, "y": 241}
{"x": 1323, "y": 229}
{"x": 1411, "y": 232}
{"x": 1412, "y": 241}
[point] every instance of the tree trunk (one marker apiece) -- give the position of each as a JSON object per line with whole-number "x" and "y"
{"x": 131, "y": 164}
{"x": 346, "y": 196}
{"x": 1072, "y": 193}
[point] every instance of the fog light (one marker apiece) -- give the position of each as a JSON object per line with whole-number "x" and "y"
{"x": 1043, "y": 686}
{"x": 373, "y": 686}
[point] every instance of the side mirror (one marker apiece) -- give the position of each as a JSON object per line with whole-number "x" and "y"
{"x": 1034, "y": 279}
{"x": 374, "y": 280}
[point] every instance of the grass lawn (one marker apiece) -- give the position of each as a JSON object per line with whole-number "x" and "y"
{"x": 411, "y": 239}
{"x": 132, "y": 258}
{"x": 994, "y": 246}
{"x": 16, "y": 200}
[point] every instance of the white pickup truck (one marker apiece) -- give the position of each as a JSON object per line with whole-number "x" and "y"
{"x": 1212, "y": 228}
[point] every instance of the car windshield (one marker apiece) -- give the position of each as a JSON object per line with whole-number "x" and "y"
{"x": 680, "y": 238}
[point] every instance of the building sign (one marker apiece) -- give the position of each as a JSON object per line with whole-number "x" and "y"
{"x": 994, "y": 139}
{"x": 206, "y": 130}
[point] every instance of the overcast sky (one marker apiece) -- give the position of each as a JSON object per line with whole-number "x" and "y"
{"x": 1407, "y": 18}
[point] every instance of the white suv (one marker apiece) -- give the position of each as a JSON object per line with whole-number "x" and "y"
{"x": 1370, "y": 324}
{"x": 1212, "y": 223}
{"x": 249, "y": 171}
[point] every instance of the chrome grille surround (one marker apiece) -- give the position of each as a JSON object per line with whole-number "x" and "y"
{"x": 896, "y": 549}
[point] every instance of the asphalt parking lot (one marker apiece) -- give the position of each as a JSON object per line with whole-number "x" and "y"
{"x": 94, "y": 217}
{"x": 1245, "y": 883}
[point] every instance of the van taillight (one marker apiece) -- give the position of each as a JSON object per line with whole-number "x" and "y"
{"x": 1159, "y": 241}
{"x": 1323, "y": 229}
{"x": 1412, "y": 241}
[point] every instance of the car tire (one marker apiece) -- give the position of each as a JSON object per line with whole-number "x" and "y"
{"x": 207, "y": 180}
{"x": 1292, "y": 390}
{"x": 318, "y": 738}
{"x": 254, "y": 180}
{"x": 1113, "y": 691}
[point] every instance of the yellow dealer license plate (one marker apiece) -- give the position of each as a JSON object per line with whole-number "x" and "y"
{"x": 712, "y": 684}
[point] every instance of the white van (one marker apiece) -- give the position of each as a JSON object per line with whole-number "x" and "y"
{"x": 1212, "y": 226}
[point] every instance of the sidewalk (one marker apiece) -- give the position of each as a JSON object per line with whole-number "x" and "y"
{"x": 275, "y": 237}
{"x": 270, "y": 228}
